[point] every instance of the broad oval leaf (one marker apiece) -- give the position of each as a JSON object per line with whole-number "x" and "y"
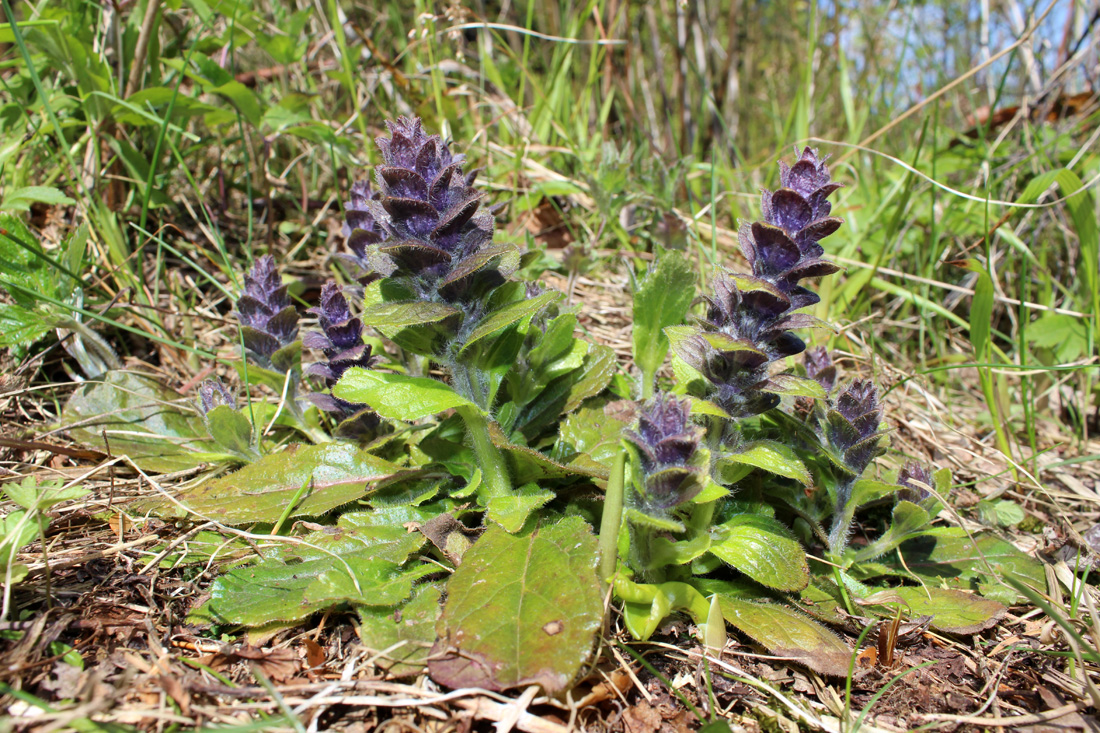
{"x": 396, "y": 396}
{"x": 763, "y": 549}
{"x": 521, "y": 609}
{"x": 333, "y": 474}
{"x": 788, "y": 634}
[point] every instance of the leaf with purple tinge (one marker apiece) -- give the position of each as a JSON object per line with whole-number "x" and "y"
{"x": 789, "y": 634}
{"x": 521, "y": 610}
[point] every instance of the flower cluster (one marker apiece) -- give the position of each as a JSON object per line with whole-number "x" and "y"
{"x": 269, "y": 321}
{"x": 341, "y": 341}
{"x": 851, "y": 427}
{"x": 916, "y": 481}
{"x": 212, "y": 393}
{"x": 666, "y": 441}
{"x": 820, "y": 367}
{"x": 421, "y": 226}
{"x": 750, "y": 317}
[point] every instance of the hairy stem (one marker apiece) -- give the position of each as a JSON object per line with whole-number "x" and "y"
{"x": 494, "y": 472}
{"x": 612, "y": 518}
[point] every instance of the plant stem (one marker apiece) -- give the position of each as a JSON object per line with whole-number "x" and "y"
{"x": 494, "y": 472}
{"x": 611, "y": 522}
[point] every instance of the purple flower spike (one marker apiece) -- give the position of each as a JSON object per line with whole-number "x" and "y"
{"x": 341, "y": 340}
{"x": 269, "y": 321}
{"x": 666, "y": 441}
{"x": 422, "y": 222}
{"x": 212, "y": 393}
{"x": 851, "y": 426}
{"x": 783, "y": 249}
{"x": 915, "y": 480}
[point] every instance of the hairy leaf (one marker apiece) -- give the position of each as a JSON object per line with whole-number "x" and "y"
{"x": 333, "y": 474}
{"x": 661, "y": 299}
{"x": 396, "y": 396}
{"x": 134, "y": 415}
{"x": 763, "y": 549}
{"x": 521, "y": 609}
{"x": 953, "y": 611}
{"x": 789, "y": 634}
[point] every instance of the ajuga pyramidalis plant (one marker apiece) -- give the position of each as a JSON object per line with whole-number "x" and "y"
{"x": 711, "y": 491}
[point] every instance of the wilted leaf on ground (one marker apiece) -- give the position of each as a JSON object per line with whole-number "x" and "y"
{"x": 521, "y": 610}
{"x": 333, "y": 474}
{"x": 789, "y": 634}
{"x": 139, "y": 418}
{"x": 763, "y": 549}
{"x": 410, "y": 628}
{"x": 953, "y": 611}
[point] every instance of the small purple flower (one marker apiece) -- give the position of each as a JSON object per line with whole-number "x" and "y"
{"x": 915, "y": 480}
{"x": 666, "y": 441}
{"x": 820, "y": 367}
{"x": 341, "y": 341}
{"x": 212, "y": 393}
{"x": 851, "y": 426}
{"x": 269, "y": 321}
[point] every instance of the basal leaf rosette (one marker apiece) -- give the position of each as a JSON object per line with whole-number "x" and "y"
{"x": 421, "y": 226}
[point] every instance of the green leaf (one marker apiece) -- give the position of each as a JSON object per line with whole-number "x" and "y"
{"x": 948, "y": 557}
{"x": 23, "y": 264}
{"x": 396, "y": 396}
{"x": 661, "y": 299}
{"x": 953, "y": 611}
{"x": 405, "y": 634}
{"x": 31, "y": 494}
{"x": 134, "y": 415}
{"x": 402, "y": 315}
{"x": 865, "y": 491}
{"x": 23, "y": 327}
{"x": 792, "y": 385}
{"x": 589, "y": 437}
{"x": 789, "y": 634}
{"x": 511, "y": 512}
{"x": 763, "y": 549}
{"x": 16, "y": 529}
{"x": 1002, "y": 513}
{"x": 20, "y": 199}
{"x": 521, "y": 609}
{"x": 907, "y": 520}
{"x": 981, "y": 316}
{"x": 334, "y": 474}
{"x": 511, "y": 313}
{"x": 232, "y": 431}
{"x": 769, "y": 455}
{"x": 529, "y": 465}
